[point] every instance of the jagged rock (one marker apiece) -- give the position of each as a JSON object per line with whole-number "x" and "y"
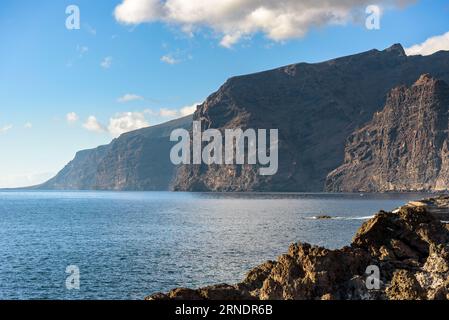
{"x": 410, "y": 247}
{"x": 217, "y": 292}
{"x": 404, "y": 148}
{"x": 404, "y": 286}
{"x": 438, "y": 207}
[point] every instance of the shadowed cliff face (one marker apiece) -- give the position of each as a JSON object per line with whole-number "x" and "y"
{"x": 314, "y": 106}
{"x": 405, "y": 147}
{"x": 138, "y": 160}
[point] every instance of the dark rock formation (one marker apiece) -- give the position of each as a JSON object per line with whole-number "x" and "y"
{"x": 314, "y": 106}
{"x": 405, "y": 147}
{"x": 138, "y": 160}
{"x": 409, "y": 246}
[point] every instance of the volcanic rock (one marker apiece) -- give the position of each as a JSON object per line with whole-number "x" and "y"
{"x": 404, "y": 148}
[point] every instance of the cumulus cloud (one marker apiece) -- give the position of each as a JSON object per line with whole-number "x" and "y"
{"x": 6, "y": 128}
{"x": 106, "y": 63}
{"x": 28, "y": 125}
{"x": 430, "y": 46}
{"x": 92, "y": 124}
{"x": 129, "y": 121}
{"x": 236, "y": 19}
{"x": 71, "y": 117}
{"x": 173, "y": 113}
{"x": 188, "y": 110}
{"x": 129, "y": 97}
{"x": 125, "y": 122}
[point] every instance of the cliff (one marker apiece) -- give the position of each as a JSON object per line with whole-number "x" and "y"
{"x": 410, "y": 248}
{"x": 314, "y": 106}
{"x": 405, "y": 147}
{"x": 138, "y": 160}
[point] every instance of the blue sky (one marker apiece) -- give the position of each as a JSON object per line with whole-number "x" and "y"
{"x": 126, "y": 73}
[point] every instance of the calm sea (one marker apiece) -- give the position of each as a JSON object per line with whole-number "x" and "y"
{"x": 130, "y": 244}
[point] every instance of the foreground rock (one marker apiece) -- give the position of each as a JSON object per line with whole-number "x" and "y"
{"x": 410, "y": 247}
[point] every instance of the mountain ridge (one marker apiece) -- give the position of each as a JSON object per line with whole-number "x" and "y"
{"x": 315, "y": 106}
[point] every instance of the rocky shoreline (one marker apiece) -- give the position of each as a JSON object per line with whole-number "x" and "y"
{"x": 409, "y": 248}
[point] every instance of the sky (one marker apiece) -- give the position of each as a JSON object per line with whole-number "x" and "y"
{"x": 135, "y": 63}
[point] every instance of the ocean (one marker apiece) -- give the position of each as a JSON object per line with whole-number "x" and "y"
{"x": 127, "y": 245}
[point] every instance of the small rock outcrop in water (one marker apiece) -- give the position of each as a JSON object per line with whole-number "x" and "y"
{"x": 405, "y": 147}
{"x": 409, "y": 246}
{"x": 325, "y": 217}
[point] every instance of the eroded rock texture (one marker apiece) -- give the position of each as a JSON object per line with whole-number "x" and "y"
{"x": 404, "y": 148}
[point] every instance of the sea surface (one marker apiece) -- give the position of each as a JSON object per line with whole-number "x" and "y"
{"x": 128, "y": 245}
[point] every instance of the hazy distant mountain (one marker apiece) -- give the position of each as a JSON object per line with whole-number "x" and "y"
{"x": 138, "y": 160}
{"x": 314, "y": 106}
{"x": 405, "y": 147}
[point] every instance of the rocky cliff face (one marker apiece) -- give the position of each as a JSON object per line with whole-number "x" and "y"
{"x": 410, "y": 248}
{"x": 138, "y": 160}
{"x": 405, "y": 147}
{"x": 314, "y": 106}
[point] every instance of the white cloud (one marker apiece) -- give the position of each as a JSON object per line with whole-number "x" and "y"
{"x": 188, "y": 110}
{"x": 106, "y": 63}
{"x": 169, "y": 59}
{"x": 71, "y": 117}
{"x": 168, "y": 113}
{"x": 430, "y": 46}
{"x": 92, "y": 124}
{"x": 28, "y": 125}
{"x": 135, "y": 12}
{"x": 129, "y": 97}
{"x": 173, "y": 113}
{"x": 6, "y": 128}
{"x": 236, "y": 19}
{"x": 125, "y": 122}
{"x": 129, "y": 121}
